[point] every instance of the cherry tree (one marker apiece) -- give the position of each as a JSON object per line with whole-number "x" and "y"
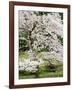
{"x": 44, "y": 33}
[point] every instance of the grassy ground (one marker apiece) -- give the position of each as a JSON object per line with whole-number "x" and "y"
{"x": 44, "y": 71}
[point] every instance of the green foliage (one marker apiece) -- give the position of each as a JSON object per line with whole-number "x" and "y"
{"x": 60, "y": 39}
{"x": 41, "y": 13}
{"x": 23, "y": 55}
{"x": 23, "y": 34}
{"x": 43, "y": 49}
{"x": 61, "y": 14}
{"x": 46, "y": 13}
{"x": 23, "y": 43}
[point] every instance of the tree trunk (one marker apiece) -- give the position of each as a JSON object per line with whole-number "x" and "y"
{"x": 31, "y": 47}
